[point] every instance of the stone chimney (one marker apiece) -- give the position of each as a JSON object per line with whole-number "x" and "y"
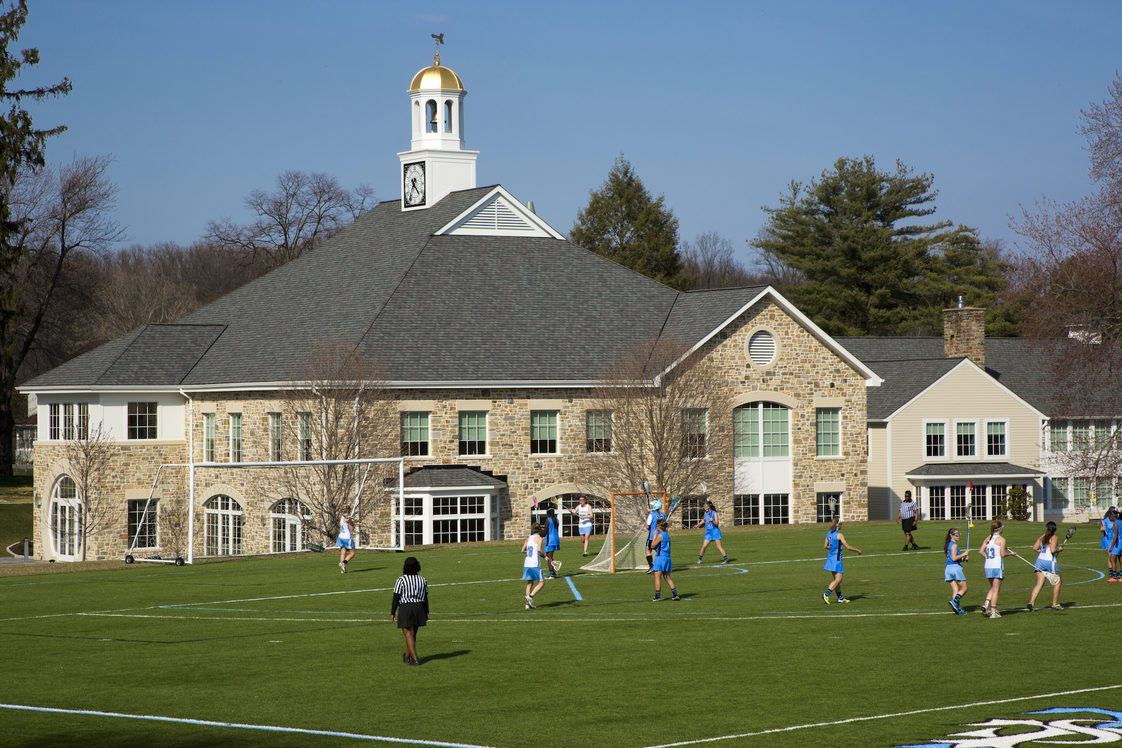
{"x": 964, "y": 333}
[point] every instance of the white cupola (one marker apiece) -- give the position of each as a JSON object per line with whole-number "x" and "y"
{"x": 437, "y": 162}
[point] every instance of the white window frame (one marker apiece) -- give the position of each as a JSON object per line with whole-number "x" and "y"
{"x": 209, "y": 438}
{"x": 460, "y": 435}
{"x": 136, "y": 507}
{"x": 65, "y": 514}
{"x": 973, "y": 457}
{"x": 276, "y": 437}
{"x": 420, "y": 508}
{"x": 818, "y": 434}
{"x": 555, "y": 416}
{"x": 946, "y": 452}
{"x": 228, "y": 521}
{"x": 1005, "y": 439}
{"x": 287, "y": 517}
{"x": 237, "y": 438}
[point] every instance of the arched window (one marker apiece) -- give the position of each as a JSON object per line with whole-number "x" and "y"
{"x": 448, "y": 116}
{"x": 288, "y": 517}
{"x": 224, "y": 522}
{"x": 66, "y": 519}
{"x": 430, "y": 116}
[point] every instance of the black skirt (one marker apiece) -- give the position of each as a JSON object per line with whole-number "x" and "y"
{"x": 410, "y": 615}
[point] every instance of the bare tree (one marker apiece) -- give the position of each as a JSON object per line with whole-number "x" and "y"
{"x": 89, "y": 456}
{"x": 61, "y": 214}
{"x": 709, "y": 262}
{"x": 1070, "y": 274}
{"x": 666, "y": 408}
{"x": 302, "y": 212}
{"x": 337, "y": 408}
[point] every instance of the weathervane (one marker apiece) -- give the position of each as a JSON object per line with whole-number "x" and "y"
{"x": 436, "y": 55}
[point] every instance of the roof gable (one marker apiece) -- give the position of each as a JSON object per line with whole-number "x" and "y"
{"x": 498, "y": 214}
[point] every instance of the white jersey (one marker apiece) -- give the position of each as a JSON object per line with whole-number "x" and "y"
{"x": 532, "y": 548}
{"x": 1046, "y": 552}
{"x": 584, "y": 515}
{"x": 994, "y": 561}
{"x": 344, "y": 527}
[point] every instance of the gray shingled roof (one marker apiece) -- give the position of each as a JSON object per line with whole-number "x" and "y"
{"x": 448, "y": 476}
{"x": 430, "y": 309}
{"x": 972, "y": 470}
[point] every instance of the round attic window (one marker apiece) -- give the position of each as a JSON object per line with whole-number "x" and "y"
{"x": 761, "y": 348}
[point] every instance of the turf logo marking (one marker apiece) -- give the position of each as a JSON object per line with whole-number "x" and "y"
{"x": 1077, "y": 727}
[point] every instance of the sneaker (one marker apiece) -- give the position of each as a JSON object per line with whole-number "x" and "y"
{"x": 986, "y": 607}
{"x": 726, "y": 560}
{"x": 343, "y": 567}
{"x": 584, "y": 554}
{"x": 1031, "y": 608}
{"x": 954, "y": 606}
{"x": 552, "y": 575}
{"x": 1057, "y": 607}
{"x": 826, "y": 597}
{"x": 905, "y": 546}
{"x": 414, "y": 661}
{"x": 656, "y": 599}
{"x": 915, "y": 547}
{"x": 960, "y": 612}
{"x": 994, "y": 614}
{"x": 529, "y": 602}
{"x": 843, "y": 599}
{"x": 1114, "y": 579}
{"x": 675, "y": 598}
{"x": 699, "y": 560}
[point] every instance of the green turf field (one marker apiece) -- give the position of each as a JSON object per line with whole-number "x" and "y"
{"x": 751, "y": 654}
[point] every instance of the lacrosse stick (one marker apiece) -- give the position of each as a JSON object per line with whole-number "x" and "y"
{"x": 1052, "y": 577}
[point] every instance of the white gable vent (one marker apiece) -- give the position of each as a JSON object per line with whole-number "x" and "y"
{"x": 497, "y": 218}
{"x": 761, "y": 348}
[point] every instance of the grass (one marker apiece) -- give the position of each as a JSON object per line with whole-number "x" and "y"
{"x": 288, "y": 641}
{"x": 18, "y": 489}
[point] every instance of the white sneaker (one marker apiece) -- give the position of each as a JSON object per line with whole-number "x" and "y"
{"x": 986, "y": 607}
{"x": 343, "y": 566}
{"x": 529, "y": 603}
{"x": 994, "y": 614}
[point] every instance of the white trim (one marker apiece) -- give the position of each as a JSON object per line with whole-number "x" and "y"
{"x": 986, "y": 436}
{"x": 947, "y": 455}
{"x": 971, "y": 364}
{"x": 871, "y": 377}
{"x": 973, "y": 456}
{"x": 456, "y": 227}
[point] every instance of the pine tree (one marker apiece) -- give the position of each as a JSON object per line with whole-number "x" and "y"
{"x": 21, "y": 149}
{"x": 624, "y": 223}
{"x": 868, "y": 264}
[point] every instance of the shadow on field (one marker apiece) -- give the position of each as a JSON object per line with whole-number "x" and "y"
{"x": 445, "y": 655}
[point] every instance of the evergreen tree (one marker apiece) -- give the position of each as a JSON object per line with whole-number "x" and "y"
{"x": 869, "y": 267}
{"x": 624, "y": 223}
{"x": 21, "y": 149}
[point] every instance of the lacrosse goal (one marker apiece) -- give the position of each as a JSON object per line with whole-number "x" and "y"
{"x": 625, "y": 544}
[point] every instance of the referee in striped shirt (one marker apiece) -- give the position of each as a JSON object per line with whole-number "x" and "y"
{"x": 908, "y": 511}
{"x": 410, "y": 607}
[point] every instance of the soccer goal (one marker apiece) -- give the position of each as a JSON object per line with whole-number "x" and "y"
{"x": 300, "y": 480}
{"x": 625, "y": 546}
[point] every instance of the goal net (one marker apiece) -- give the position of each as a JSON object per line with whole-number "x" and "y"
{"x": 299, "y": 501}
{"x": 625, "y": 546}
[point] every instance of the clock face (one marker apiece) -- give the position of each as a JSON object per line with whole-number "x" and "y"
{"x": 413, "y": 184}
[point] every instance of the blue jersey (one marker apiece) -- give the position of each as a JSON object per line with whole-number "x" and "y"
{"x": 710, "y": 520}
{"x": 1116, "y": 545}
{"x": 551, "y": 537}
{"x": 835, "y": 552}
{"x": 663, "y": 550}
{"x": 652, "y": 523}
{"x": 952, "y": 551}
{"x": 1108, "y": 533}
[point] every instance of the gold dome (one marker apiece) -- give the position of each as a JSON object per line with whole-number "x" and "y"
{"x": 436, "y": 76}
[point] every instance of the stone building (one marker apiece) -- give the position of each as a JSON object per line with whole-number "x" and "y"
{"x": 492, "y": 331}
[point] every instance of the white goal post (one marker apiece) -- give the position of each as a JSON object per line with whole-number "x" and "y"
{"x": 625, "y": 546}
{"x": 397, "y": 534}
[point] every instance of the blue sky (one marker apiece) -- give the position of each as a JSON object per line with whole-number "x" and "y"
{"x": 718, "y": 106}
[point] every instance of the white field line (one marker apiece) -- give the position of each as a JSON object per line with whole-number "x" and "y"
{"x": 891, "y": 715}
{"x": 237, "y": 725}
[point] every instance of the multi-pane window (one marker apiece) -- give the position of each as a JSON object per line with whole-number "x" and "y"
{"x": 694, "y": 433}
{"x": 223, "y": 526}
{"x": 68, "y": 421}
{"x": 693, "y": 510}
{"x": 958, "y": 502}
{"x": 458, "y": 519}
{"x": 776, "y": 430}
{"x": 414, "y": 434}
{"x": 937, "y": 496}
{"x": 601, "y": 514}
{"x": 1057, "y": 436}
{"x": 767, "y": 509}
{"x": 303, "y": 436}
{"x": 935, "y": 439}
{"x": 997, "y": 496}
{"x": 761, "y": 429}
{"x": 823, "y": 510}
{"x": 1059, "y": 493}
{"x": 746, "y": 431}
{"x": 288, "y": 518}
{"x": 414, "y": 520}
{"x": 543, "y": 432}
{"x": 208, "y": 438}
{"x": 828, "y": 431}
{"x": 235, "y": 437}
{"x": 598, "y": 431}
{"x": 473, "y": 432}
{"x": 142, "y": 524}
{"x": 965, "y": 439}
{"x": 276, "y": 438}
{"x": 142, "y": 421}
{"x": 1080, "y": 434}
{"x": 1102, "y": 434}
{"x": 1080, "y": 492}
{"x": 995, "y": 439}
